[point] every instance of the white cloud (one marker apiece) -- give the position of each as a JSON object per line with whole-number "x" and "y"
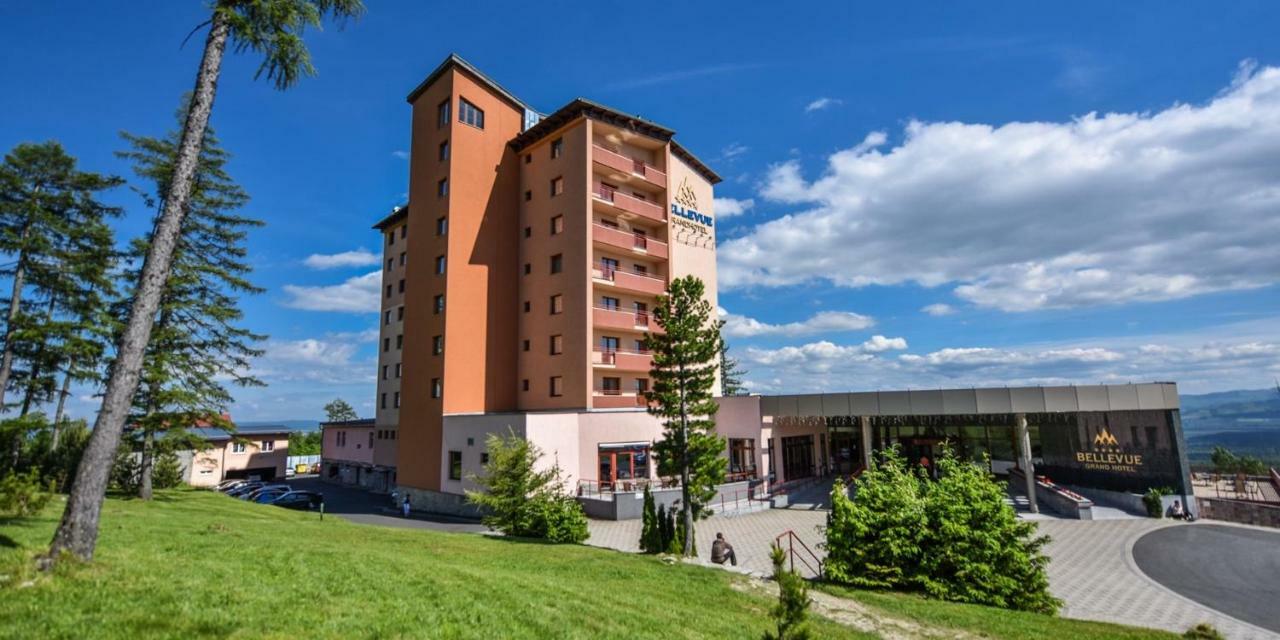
{"x": 822, "y": 103}
{"x": 359, "y": 294}
{"x": 331, "y": 359}
{"x": 1102, "y": 209}
{"x": 403, "y": 155}
{"x": 737, "y": 326}
{"x": 729, "y": 207}
{"x": 733, "y": 151}
{"x": 938, "y": 309}
{"x": 880, "y": 343}
{"x": 358, "y": 258}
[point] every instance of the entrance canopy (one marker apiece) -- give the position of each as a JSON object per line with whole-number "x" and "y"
{"x": 969, "y": 402}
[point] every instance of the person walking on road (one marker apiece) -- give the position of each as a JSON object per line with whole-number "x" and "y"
{"x": 404, "y": 506}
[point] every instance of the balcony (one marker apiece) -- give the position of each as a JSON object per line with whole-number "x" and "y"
{"x": 629, "y": 166}
{"x": 622, "y": 360}
{"x": 620, "y": 239}
{"x": 624, "y": 203}
{"x": 635, "y": 282}
{"x": 616, "y": 399}
{"x": 607, "y": 318}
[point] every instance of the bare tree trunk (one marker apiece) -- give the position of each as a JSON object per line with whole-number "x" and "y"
{"x": 684, "y": 470}
{"x": 77, "y": 534}
{"x": 148, "y": 460}
{"x": 15, "y": 303}
{"x": 62, "y": 405}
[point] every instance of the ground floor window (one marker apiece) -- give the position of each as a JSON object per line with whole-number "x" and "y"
{"x": 623, "y": 465}
{"x": 742, "y": 458}
{"x": 455, "y": 465}
{"x": 797, "y": 457}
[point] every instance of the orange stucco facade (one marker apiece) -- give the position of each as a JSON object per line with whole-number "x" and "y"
{"x": 536, "y": 247}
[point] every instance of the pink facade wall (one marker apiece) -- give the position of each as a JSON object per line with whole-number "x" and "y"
{"x": 222, "y": 457}
{"x": 359, "y": 447}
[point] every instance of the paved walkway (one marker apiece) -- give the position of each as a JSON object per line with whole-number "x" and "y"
{"x": 1091, "y": 565}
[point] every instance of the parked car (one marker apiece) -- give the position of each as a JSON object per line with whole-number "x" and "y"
{"x": 227, "y": 485}
{"x": 244, "y": 488}
{"x": 304, "y": 500}
{"x": 266, "y": 488}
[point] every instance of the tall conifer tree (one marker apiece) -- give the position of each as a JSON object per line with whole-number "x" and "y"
{"x": 196, "y": 342}
{"x": 685, "y": 357}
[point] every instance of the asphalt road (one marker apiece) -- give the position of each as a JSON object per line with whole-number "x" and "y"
{"x": 1232, "y": 569}
{"x": 358, "y": 505}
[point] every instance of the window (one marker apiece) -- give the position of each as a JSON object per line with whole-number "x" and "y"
{"x": 400, "y": 313}
{"x": 437, "y": 388}
{"x": 386, "y": 369}
{"x": 470, "y": 114}
{"x": 611, "y": 386}
{"x": 442, "y": 114}
{"x": 557, "y": 345}
{"x": 557, "y": 304}
{"x": 528, "y": 232}
{"x": 642, "y": 386}
{"x": 742, "y": 456}
{"x": 388, "y": 291}
{"x": 557, "y": 148}
{"x": 403, "y": 258}
{"x": 557, "y": 263}
{"x": 386, "y": 317}
{"x": 528, "y": 268}
{"x": 371, "y": 436}
{"x": 557, "y": 225}
{"x": 622, "y": 463}
{"x": 609, "y": 343}
{"x": 609, "y": 223}
{"x": 400, "y": 341}
{"x": 437, "y": 345}
{"x": 526, "y": 306}
{"x": 525, "y": 345}
{"x": 484, "y": 457}
{"x": 640, "y": 269}
{"x": 342, "y": 438}
{"x": 524, "y": 384}
{"x": 528, "y": 157}
{"x": 237, "y": 447}
{"x": 386, "y": 344}
{"x": 391, "y": 237}
{"x": 442, "y": 188}
{"x": 528, "y": 195}
{"x": 404, "y": 231}
{"x": 557, "y": 386}
{"x": 444, "y": 150}
{"x": 390, "y": 262}
{"x": 397, "y": 369}
{"x": 438, "y": 304}
{"x": 557, "y": 186}
{"x": 401, "y": 286}
{"x": 397, "y": 400}
{"x": 442, "y": 225}
{"x": 455, "y": 465}
{"x": 439, "y": 265}
{"x": 382, "y": 403}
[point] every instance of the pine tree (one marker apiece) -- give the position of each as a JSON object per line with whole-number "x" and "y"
{"x": 731, "y": 372}
{"x": 650, "y": 533}
{"x": 55, "y": 230}
{"x": 685, "y": 358}
{"x": 196, "y": 345}
{"x": 273, "y": 28}
{"x": 340, "y": 411}
{"x": 793, "y": 601}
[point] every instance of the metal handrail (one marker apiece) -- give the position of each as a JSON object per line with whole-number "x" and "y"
{"x": 790, "y": 549}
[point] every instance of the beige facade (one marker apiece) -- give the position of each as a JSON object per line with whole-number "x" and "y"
{"x": 248, "y": 454}
{"x": 534, "y": 248}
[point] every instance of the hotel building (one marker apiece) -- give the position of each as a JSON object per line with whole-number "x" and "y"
{"x": 519, "y": 282}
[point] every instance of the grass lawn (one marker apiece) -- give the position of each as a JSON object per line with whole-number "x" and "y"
{"x": 198, "y": 564}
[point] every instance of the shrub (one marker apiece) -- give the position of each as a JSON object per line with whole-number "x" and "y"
{"x": 167, "y": 472}
{"x": 21, "y": 494}
{"x": 1153, "y": 501}
{"x": 954, "y": 538}
{"x": 125, "y": 471}
{"x": 651, "y": 529}
{"x": 1203, "y": 631}
{"x": 521, "y": 501}
{"x": 793, "y": 602}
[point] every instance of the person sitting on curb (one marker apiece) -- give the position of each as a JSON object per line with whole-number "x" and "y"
{"x": 1178, "y": 513}
{"x": 722, "y": 550}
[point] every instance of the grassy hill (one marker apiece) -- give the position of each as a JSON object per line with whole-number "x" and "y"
{"x": 199, "y": 565}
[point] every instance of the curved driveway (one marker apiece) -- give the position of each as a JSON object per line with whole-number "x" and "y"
{"x": 1235, "y": 570}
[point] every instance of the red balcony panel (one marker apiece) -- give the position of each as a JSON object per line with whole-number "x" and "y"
{"x": 617, "y": 400}
{"x": 628, "y": 204}
{"x": 625, "y": 320}
{"x": 625, "y": 164}
{"x": 639, "y": 283}
{"x": 628, "y": 240}
{"x": 623, "y": 360}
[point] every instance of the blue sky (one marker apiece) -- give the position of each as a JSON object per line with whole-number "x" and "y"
{"x": 886, "y": 160}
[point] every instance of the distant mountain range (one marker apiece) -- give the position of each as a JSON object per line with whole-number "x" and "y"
{"x": 292, "y": 425}
{"x": 1243, "y": 410}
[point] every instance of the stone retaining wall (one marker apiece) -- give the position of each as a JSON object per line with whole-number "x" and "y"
{"x": 1240, "y": 511}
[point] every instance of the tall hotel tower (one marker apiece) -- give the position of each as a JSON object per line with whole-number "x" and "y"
{"x": 519, "y": 282}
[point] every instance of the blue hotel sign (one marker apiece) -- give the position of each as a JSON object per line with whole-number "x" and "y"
{"x": 686, "y": 205}
{"x": 690, "y": 214}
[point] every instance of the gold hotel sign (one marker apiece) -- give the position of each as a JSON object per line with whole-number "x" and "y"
{"x": 1106, "y": 455}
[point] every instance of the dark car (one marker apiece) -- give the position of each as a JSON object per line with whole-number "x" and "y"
{"x": 304, "y": 500}
{"x": 266, "y": 488}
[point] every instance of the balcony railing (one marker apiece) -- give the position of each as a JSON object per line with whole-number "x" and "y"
{"x": 615, "y": 237}
{"x": 640, "y": 282}
{"x": 625, "y": 164}
{"x": 629, "y": 204}
{"x": 624, "y": 360}
{"x": 617, "y": 399}
{"x": 614, "y": 318}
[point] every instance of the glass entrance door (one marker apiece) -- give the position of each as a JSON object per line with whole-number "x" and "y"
{"x": 797, "y": 457}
